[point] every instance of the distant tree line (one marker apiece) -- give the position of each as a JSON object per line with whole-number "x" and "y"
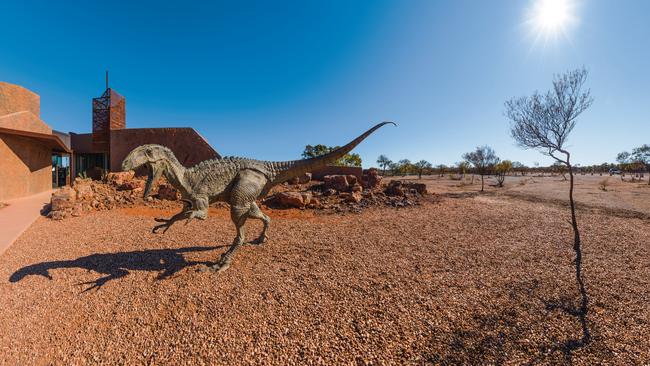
{"x": 627, "y": 163}
{"x": 312, "y": 151}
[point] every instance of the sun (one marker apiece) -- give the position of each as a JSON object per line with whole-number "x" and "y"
{"x": 549, "y": 19}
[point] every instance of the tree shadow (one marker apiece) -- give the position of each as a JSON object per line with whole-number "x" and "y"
{"x": 117, "y": 265}
{"x": 522, "y": 323}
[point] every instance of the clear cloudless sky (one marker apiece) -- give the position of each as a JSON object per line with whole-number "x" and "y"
{"x": 262, "y": 79}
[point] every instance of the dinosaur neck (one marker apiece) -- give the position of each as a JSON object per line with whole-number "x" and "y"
{"x": 175, "y": 173}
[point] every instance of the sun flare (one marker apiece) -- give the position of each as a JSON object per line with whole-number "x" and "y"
{"x": 552, "y": 18}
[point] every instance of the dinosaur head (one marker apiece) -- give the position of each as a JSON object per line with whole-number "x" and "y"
{"x": 152, "y": 157}
{"x": 41, "y": 269}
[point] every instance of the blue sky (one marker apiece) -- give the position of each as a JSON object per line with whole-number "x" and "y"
{"x": 262, "y": 79}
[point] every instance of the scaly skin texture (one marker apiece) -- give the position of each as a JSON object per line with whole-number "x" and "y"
{"x": 240, "y": 182}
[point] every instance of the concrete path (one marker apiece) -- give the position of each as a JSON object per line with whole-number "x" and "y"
{"x": 19, "y": 215}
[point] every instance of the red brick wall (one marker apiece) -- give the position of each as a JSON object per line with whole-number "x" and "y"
{"x": 318, "y": 174}
{"x": 81, "y": 142}
{"x": 188, "y": 146}
{"x": 26, "y": 167}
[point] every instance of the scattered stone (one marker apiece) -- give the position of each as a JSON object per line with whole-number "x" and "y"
{"x": 399, "y": 188}
{"x": 77, "y": 210}
{"x": 354, "y": 197}
{"x": 303, "y": 179}
{"x": 118, "y": 178}
{"x": 131, "y": 185}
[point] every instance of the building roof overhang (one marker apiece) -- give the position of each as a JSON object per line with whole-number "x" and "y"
{"x": 51, "y": 140}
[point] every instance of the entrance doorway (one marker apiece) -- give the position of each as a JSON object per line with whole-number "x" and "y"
{"x": 60, "y": 170}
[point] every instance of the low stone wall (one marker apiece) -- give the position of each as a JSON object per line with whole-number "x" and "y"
{"x": 319, "y": 174}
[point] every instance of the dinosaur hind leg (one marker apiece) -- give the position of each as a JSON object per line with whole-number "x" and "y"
{"x": 255, "y": 213}
{"x": 244, "y": 192}
{"x": 238, "y": 214}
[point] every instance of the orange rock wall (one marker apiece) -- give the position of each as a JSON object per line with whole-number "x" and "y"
{"x": 15, "y": 98}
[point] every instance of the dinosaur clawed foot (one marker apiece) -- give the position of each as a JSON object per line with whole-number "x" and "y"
{"x": 166, "y": 224}
{"x": 216, "y": 268}
{"x": 261, "y": 240}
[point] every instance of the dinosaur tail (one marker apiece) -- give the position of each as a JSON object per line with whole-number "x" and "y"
{"x": 289, "y": 169}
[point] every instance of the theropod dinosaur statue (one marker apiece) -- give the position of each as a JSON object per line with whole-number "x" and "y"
{"x": 236, "y": 181}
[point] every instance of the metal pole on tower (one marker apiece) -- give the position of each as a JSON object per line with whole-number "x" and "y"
{"x": 106, "y": 79}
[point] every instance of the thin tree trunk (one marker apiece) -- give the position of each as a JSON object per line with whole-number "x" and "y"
{"x": 481, "y": 182}
{"x": 578, "y": 263}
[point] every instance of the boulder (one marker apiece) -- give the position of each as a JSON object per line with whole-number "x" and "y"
{"x": 293, "y": 199}
{"x": 356, "y": 188}
{"x": 63, "y": 199}
{"x": 132, "y": 185}
{"x": 399, "y": 188}
{"x": 352, "y": 179}
{"x": 337, "y": 182}
{"x": 421, "y": 188}
{"x": 371, "y": 178}
{"x": 119, "y": 178}
{"x": 77, "y": 210}
{"x": 395, "y": 188}
{"x": 57, "y": 215}
{"x": 354, "y": 197}
{"x": 302, "y": 179}
{"x": 84, "y": 189}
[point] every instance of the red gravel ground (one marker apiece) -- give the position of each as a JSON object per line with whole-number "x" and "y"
{"x": 477, "y": 280}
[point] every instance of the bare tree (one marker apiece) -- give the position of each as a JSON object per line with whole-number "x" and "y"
{"x": 544, "y": 122}
{"x": 483, "y": 159}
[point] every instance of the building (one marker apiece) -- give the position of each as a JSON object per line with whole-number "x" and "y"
{"x": 34, "y": 158}
{"x": 110, "y": 140}
{"x": 30, "y": 151}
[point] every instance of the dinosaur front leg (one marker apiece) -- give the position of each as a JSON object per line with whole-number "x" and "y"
{"x": 193, "y": 209}
{"x": 167, "y": 223}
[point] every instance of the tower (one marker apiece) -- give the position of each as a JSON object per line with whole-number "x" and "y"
{"x": 109, "y": 113}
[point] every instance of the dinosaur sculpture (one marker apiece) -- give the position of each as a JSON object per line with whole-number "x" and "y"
{"x": 236, "y": 181}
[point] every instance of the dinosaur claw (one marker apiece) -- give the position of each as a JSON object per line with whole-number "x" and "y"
{"x": 261, "y": 240}
{"x": 158, "y": 227}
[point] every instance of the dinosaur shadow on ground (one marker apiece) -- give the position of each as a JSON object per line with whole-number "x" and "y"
{"x": 117, "y": 265}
